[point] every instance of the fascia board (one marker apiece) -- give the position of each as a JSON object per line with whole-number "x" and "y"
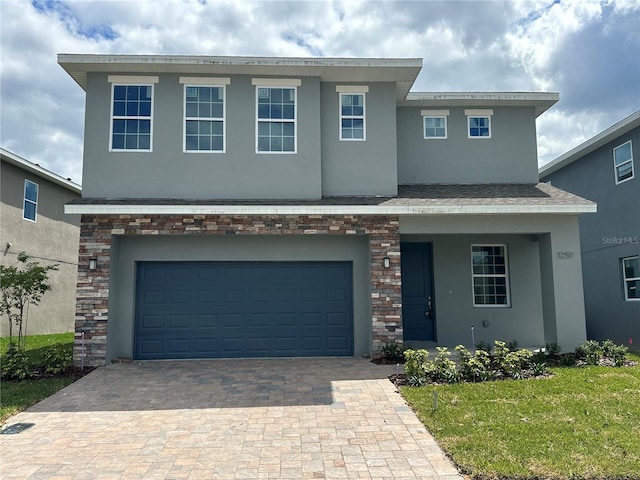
{"x": 103, "y": 209}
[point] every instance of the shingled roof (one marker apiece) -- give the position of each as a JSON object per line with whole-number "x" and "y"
{"x": 411, "y": 199}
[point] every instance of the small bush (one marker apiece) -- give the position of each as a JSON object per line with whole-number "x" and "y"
{"x": 56, "y": 359}
{"x": 552, "y": 349}
{"x": 516, "y": 363}
{"x": 513, "y": 345}
{"x": 443, "y": 369}
{"x": 15, "y": 364}
{"x": 589, "y": 352}
{"x": 538, "y": 368}
{"x": 615, "y": 353}
{"x": 484, "y": 346}
{"x": 393, "y": 352}
{"x": 415, "y": 366}
{"x": 500, "y": 352}
{"x": 474, "y": 368}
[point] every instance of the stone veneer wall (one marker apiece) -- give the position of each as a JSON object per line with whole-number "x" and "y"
{"x": 92, "y": 309}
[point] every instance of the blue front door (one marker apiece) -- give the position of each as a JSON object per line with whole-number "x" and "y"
{"x": 243, "y": 309}
{"x": 418, "y": 308}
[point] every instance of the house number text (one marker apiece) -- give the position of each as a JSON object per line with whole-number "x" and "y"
{"x": 565, "y": 255}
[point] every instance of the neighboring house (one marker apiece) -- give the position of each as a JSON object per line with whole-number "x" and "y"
{"x": 252, "y": 206}
{"x": 605, "y": 169}
{"x": 32, "y": 220}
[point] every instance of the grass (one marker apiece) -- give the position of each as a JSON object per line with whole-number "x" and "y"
{"x": 579, "y": 424}
{"x": 16, "y": 396}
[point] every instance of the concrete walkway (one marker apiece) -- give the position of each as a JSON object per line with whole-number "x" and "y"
{"x": 228, "y": 419}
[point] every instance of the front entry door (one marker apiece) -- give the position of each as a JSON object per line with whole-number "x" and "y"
{"x": 418, "y": 309}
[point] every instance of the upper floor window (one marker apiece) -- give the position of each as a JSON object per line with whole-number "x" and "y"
{"x": 131, "y": 112}
{"x": 352, "y": 112}
{"x": 276, "y": 115}
{"x": 631, "y": 277}
{"x": 30, "y": 205}
{"x": 434, "y": 123}
{"x": 623, "y": 162}
{"x": 490, "y": 276}
{"x": 204, "y": 114}
{"x": 479, "y": 123}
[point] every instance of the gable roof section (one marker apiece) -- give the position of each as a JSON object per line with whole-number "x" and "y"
{"x": 623, "y": 126}
{"x": 41, "y": 172}
{"x": 488, "y": 199}
{"x": 402, "y": 71}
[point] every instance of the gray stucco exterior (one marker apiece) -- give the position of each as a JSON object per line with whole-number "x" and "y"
{"x": 608, "y": 236}
{"x": 52, "y": 239}
{"x": 331, "y": 200}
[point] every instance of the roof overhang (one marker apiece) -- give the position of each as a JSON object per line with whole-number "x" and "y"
{"x": 133, "y": 209}
{"x": 541, "y": 101}
{"x": 402, "y": 71}
{"x": 623, "y": 126}
{"x": 36, "y": 169}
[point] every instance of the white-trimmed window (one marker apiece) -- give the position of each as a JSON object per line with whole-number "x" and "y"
{"x": 623, "y": 162}
{"x": 631, "y": 278}
{"x": 434, "y": 123}
{"x": 131, "y": 113}
{"x": 204, "y": 114}
{"x": 478, "y": 123}
{"x": 352, "y": 112}
{"x": 490, "y": 276}
{"x": 276, "y": 112}
{"x": 30, "y": 204}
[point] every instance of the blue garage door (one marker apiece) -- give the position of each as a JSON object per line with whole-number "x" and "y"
{"x": 243, "y": 309}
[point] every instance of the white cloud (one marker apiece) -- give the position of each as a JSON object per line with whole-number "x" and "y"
{"x": 583, "y": 49}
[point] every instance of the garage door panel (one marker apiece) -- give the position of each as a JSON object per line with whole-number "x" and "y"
{"x": 243, "y": 309}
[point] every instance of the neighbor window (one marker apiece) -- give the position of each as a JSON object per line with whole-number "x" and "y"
{"x": 352, "y": 112}
{"x": 276, "y": 115}
{"x": 131, "y": 112}
{"x": 204, "y": 114}
{"x": 434, "y": 123}
{"x": 631, "y": 278}
{"x": 479, "y": 123}
{"x": 490, "y": 275}
{"x": 623, "y": 162}
{"x": 30, "y": 206}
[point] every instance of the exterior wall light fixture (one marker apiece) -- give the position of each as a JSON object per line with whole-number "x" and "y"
{"x": 93, "y": 264}
{"x": 386, "y": 262}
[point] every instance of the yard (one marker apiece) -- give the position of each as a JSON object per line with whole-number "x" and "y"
{"x": 580, "y": 423}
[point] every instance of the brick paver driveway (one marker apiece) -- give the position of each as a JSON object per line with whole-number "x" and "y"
{"x": 276, "y": 418}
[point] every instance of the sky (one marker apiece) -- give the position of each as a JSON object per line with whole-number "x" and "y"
{"x": 586, "y": 50}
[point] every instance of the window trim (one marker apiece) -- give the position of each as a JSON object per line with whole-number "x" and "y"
{"x": 625, "y": 279}
{"x": 270, "y": 83}
{"x": 484, "y": 113}
{"x": 352, "y": 90}
{"x": 25, "y": 200}
{"x": 615, "y": 167}
{"x": 435, "y": 114}
{"x": 505, "y": 276}
{"x": 126, "y": 80}
{"x": 214, "y": 82}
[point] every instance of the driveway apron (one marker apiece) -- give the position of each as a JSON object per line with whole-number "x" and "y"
{"x": 227, "y": 419}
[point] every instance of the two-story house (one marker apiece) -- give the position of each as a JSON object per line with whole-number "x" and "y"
{"x": 252, "y": 206}
{"x": 32, "y": 221}
{"x": 603, "y": 169}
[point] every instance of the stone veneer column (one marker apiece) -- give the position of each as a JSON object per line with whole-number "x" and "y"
{"x": 92, "y": 305}
{"x": 92, "y": 297}
{"x": 386, "y": 285}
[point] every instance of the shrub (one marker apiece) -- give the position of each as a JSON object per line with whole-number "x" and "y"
{"x": 589, "y": 352}
{"x": 15, "y": 364}
{"x": 513, "y": 345}
{"x": 474, "y": 368}
{"x": 415, "y": 366}
{"x": 443, "y": 369}
{"x": 515, "y": 363}
{"x": 484, "y": 346}
{"x": 393, "y": 352}
{"x": 500, "y": 352}
{"x": 552, "y": 349}
{"x": 56, "y": 359}
{"x": 615, "y": 353}
{"x": 538, "y": 368}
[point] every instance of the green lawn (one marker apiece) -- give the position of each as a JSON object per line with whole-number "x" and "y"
{"x": 16, "y": 396}
{"x": 582, "y": 423}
